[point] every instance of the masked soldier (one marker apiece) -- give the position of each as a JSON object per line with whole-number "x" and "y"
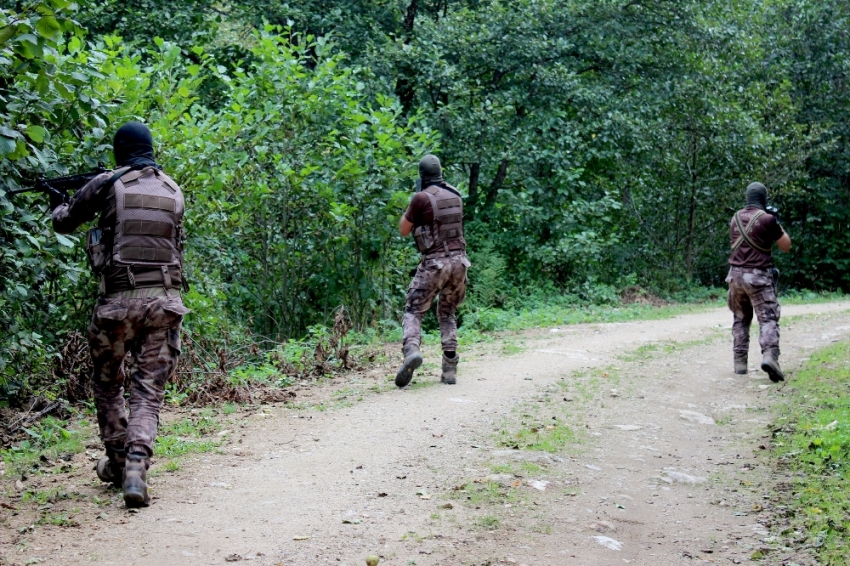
{"x": 752, "y": 283}
{"x": 435, "y": 216}
{"x": 137, "y": 250}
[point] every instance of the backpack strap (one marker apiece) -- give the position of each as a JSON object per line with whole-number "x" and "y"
{"x": 745, "y": 232}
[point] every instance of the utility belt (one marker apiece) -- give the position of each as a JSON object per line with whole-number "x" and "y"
{"x": 772, "y": 273}
{"x": 145, "y": 293}
{"x": 443, "y": 254}
{"x": 754, "y": 270}
{"x": 118, "y": 279}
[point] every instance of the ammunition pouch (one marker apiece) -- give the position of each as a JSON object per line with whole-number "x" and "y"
{"x": 423, "y": 238}
{"x": 97, "y": 248}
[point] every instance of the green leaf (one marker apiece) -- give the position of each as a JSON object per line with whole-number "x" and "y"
{"x": 9, "y": 133}
{"x": 36, "y": 133}
{"x": 28, "y": 46}
{"x": 159, "y": 42}
{"x": 48, "y": 27}
{"x": 6, "y": 33}
{"x": 64, "y": 241}
{"x": 184, "y": 92}
{"x": 7, "y": 145}
{"x": 74, "y": 44}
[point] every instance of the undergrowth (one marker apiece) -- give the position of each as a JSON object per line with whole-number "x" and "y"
{"x": 45, "y": 443}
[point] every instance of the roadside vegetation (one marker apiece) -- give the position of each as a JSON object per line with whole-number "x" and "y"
{"x": 598, "y": 169}
{"x": 811, "y": 450}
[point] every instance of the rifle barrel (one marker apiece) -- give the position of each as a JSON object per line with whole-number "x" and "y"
{"x": 61, "y": 184}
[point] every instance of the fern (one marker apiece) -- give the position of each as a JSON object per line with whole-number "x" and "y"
{"x": 486, "y": 279}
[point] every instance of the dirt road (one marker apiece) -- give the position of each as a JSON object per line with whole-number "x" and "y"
{"x": 643, "y": 442}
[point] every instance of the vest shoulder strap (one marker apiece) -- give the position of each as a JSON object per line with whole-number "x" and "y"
{"x": 432, "y": 197}
{"x": 745, "y": 232}
{"x": 168, "y": 181}
{"x": 117, "y": 175}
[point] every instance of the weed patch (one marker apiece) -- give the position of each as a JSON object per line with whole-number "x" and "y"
{"x": 812, "y": 439}
{"x": 546, "y": 438}
{"x": 47, "y": 441}
{"x": 186, "y": 436}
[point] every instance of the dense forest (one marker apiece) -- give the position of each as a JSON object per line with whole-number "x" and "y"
{"x": 600, "y": 145}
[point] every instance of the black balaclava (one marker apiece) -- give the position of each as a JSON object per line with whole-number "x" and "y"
{"x": 430, "y": 170}
{"x": 133, "y": 146}
{"x": 757, "y": 195}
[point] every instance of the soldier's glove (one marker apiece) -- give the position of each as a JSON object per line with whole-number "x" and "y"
{"x": 56, "y": 198}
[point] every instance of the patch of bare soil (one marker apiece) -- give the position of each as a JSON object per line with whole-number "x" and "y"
{"x": 592, "y": 444}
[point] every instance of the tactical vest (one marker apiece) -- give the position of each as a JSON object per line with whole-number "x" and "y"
{"x": 447, "y": 226}
{"x": 146, "y": 244}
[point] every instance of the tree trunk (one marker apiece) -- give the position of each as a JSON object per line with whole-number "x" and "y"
{"x": 692, "y": 208}
{"x": 497, "y": 183}
{"x": 410, "y": 17}
{"x": 472, "y": 199}
{"x": 405, "y": 86}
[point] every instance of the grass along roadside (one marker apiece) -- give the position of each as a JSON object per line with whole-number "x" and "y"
{"x": 812, "y": 448}
{"x": 62, "y": 446}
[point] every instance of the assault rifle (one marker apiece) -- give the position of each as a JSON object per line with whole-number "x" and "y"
{"x": 59, "y": 188}
{"x": 771, "y": 209}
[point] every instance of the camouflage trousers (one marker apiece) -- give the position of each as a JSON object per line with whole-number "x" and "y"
{"x": 148, "y": 329}
{"x": 443, "y": 276}
{"x": 750, "y": 290}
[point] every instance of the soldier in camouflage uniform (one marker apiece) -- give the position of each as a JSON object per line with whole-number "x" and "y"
{"x": 137, "y": 250}
{"x": 752, "y": 285}
{"x": 435, "y": 217}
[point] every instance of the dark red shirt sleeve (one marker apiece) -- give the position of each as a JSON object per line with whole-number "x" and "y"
{"x": 419, "y": 209}
{"x": 772, "y": 228}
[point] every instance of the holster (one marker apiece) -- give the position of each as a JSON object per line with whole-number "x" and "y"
{"x": 97, "y": 248}
{"x": 423, "y": 238}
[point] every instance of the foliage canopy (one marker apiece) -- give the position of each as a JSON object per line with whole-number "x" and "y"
{"x": 600, "y": 145}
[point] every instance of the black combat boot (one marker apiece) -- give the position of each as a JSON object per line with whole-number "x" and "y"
{"x": 135, "y": 488}
{"x": 412, "y": 361}
{"x": 450, "y": 368}
{"x": 741, "y": 364}
{"x": 110, "y": 469}
{"x": 770, "y": 365}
